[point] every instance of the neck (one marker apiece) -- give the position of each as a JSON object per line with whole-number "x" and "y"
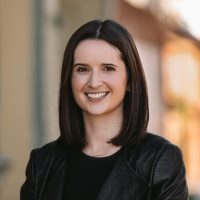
{"x": 99, "y": 130}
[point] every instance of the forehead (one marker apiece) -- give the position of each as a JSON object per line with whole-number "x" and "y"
{"x": 96, "y": 48}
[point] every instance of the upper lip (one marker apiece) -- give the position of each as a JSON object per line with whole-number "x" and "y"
{"x": 96, "y": 92}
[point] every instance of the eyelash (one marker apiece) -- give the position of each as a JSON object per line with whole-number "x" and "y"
{"x": 85, "y": 69}
{"x": 82, "y": 69}
{"x": 109, "y": 68}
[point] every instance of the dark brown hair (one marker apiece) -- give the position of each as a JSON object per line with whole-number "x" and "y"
{"x": 136, "y": 110}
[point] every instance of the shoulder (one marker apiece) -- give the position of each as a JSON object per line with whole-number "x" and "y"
{"x": 155, "y": 153}
{"x": 152, "y": 145}
{"x": 164, "y": 150}
{"x": 48, "y": 153}
{"x": 54, "y": 147}
{"x": 168, "y": 159}
{"x": 42, "y": 164}
{"x": 161, "y": 163}
{"x": 158, "y": 145}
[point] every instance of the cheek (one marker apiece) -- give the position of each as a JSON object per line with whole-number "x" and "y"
{"x": 78, "y": 82}
{"x": 120, "y": 81}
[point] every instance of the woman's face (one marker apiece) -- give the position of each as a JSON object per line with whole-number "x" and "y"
{"x": 99, "y": 77}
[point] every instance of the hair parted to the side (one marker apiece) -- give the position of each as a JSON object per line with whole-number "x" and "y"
{"x": 136, "y": 109}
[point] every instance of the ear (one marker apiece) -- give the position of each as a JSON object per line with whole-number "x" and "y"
{"x": 128, "y": 88}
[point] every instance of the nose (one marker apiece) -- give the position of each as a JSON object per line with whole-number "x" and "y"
{"x": 95, "y": 80}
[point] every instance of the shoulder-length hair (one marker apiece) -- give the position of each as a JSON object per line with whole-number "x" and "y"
{"x": 136, "y": 110}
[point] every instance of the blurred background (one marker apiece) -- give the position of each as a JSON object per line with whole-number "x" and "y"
{"x": 33, "y": 35}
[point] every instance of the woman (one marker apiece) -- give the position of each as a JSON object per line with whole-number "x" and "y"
{"x": 104, "y": 151}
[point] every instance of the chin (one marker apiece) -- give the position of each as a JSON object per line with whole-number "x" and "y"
{"x": 96, "y": 112}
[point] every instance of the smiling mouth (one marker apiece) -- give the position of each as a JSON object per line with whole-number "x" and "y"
{"x": 96, "y": 96}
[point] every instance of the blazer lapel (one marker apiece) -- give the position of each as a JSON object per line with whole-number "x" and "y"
{"x": 54, "y": 188}
{"x": 123, "y": 183}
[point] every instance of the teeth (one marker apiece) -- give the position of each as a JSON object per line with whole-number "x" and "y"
{"x": 96, "y": 95}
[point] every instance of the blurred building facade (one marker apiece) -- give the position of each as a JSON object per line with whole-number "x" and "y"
{"x": 33, "y": 35}
{"x": 16, "y": 95}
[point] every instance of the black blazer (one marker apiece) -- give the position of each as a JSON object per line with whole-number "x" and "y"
{"x": 152, "y": 170}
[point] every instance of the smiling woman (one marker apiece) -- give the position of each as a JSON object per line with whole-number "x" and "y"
{"x": 104, "y": 151}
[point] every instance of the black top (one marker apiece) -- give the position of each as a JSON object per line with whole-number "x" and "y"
{"x": 86, "y": 175}
{"x": 154, "y": 167}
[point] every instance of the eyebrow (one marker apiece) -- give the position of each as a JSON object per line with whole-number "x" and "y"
{"x": 103, "y": 64}
{"x": 77, "y": 64}
{"x": 110, "y": 64}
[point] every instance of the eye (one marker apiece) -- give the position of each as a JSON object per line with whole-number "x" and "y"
{"x": 109, "y": 68}
{"x": 82, "y": 69}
